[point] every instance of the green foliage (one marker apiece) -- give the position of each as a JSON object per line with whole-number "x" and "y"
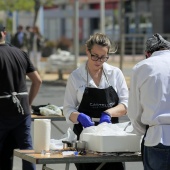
{"x": 22, "y": 5}
{"x": 9, "y": 24}
{"x": 26, "y": 5}
{"x": 48, "y": 2}
{"x": 12, "y": 5}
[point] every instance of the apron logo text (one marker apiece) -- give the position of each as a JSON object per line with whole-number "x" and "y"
{"x": 101, "y": 105}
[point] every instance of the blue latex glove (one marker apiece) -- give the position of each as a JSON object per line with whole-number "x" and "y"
{"x": 105, "y": 118}
{"x": 85, "y": 120}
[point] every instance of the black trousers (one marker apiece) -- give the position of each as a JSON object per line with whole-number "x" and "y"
{"x": 15, "y": 129}
{"x": 6, "y": 158}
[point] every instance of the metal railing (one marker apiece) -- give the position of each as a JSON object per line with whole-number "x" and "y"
{"x": 134, "y": 44}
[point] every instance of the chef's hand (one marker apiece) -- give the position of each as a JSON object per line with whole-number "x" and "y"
{"x": 85, "y": 120}
{"x": 105, "y": 118}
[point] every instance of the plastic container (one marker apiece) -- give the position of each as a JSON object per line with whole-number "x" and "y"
{"x": 128, "y": 143}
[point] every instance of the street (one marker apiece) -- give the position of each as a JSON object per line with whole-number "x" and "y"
{"x": 53, "y": 93}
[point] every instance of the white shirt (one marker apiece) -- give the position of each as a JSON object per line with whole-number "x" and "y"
{"x": 77, "y": 82}
{"x": 149, "y": 100}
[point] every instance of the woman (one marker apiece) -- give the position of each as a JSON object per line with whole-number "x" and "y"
{"x": 36, "y": 41}
{"x": 95, "y": 90}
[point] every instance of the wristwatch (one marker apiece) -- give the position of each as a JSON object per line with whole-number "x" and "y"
{"x": 107, "y": 113}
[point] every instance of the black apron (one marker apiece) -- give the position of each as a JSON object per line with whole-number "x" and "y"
{"x": 94, "y": 102}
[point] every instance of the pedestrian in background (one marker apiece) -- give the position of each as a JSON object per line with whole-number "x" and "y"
{"x": 95, "y": 90}
{"x": 28, "y": 42}
{"x": 15, "y": 101}
{"x": 149, "y": 103}
{"x": 19, "y": 38}
{"x": 36, "y": 47}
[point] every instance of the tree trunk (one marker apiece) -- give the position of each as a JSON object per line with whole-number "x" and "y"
{"x": 36, "y": 9}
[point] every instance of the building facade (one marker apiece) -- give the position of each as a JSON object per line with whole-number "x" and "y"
{"x": 140, "y": 17}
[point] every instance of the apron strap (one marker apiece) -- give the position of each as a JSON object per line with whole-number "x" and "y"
{"x": 106, "y": 77}
{"x": 143, "y": 140}
{"x": 15, "y": 99}
{"x": 103, "y": 72}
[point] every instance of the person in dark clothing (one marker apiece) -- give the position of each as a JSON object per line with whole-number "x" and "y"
{"x": 28, "y": 40}
{"x": 19, "y": 39}
{"x": 95, "y": 90}
{"x": 9, "y": 145}
{"x": 36, "y": 41}
{"x": 15, "y": 101}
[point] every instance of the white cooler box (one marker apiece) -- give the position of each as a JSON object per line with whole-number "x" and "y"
{"x": 129, "y": 143}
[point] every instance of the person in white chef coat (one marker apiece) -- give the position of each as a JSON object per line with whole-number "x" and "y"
{"x": 149, "y": 103}
{"x": 95, "y": 90}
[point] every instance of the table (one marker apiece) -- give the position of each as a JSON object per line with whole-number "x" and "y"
{"x": 57, "y": 158}
{"x": 53, "y": 118}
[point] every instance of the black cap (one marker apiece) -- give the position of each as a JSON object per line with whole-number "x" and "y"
{"x": 2, "y": 28}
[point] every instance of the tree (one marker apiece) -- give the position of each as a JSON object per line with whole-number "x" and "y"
{"x": 23, "y": 5}
{"x": 38, "y": 4}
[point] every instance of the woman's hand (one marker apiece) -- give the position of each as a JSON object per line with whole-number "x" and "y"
{"x": 105, "y": 118}
{"x": 85, "y": 120}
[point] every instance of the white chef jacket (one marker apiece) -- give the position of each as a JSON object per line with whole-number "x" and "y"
{"x": 149, "y": 101}
{"x": 77, "y": 82}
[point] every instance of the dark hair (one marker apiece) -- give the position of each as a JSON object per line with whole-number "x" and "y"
{"x": 27, "y": 28}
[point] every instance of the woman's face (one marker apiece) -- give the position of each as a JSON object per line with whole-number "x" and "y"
{"x": 97, "y": 56}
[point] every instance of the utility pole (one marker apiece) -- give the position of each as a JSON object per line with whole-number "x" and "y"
{"x": 36, "y": 9}
{"x": 76, "y": 31}
{"x": 122, "y": 31}
{"x": 102, "y": 16}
